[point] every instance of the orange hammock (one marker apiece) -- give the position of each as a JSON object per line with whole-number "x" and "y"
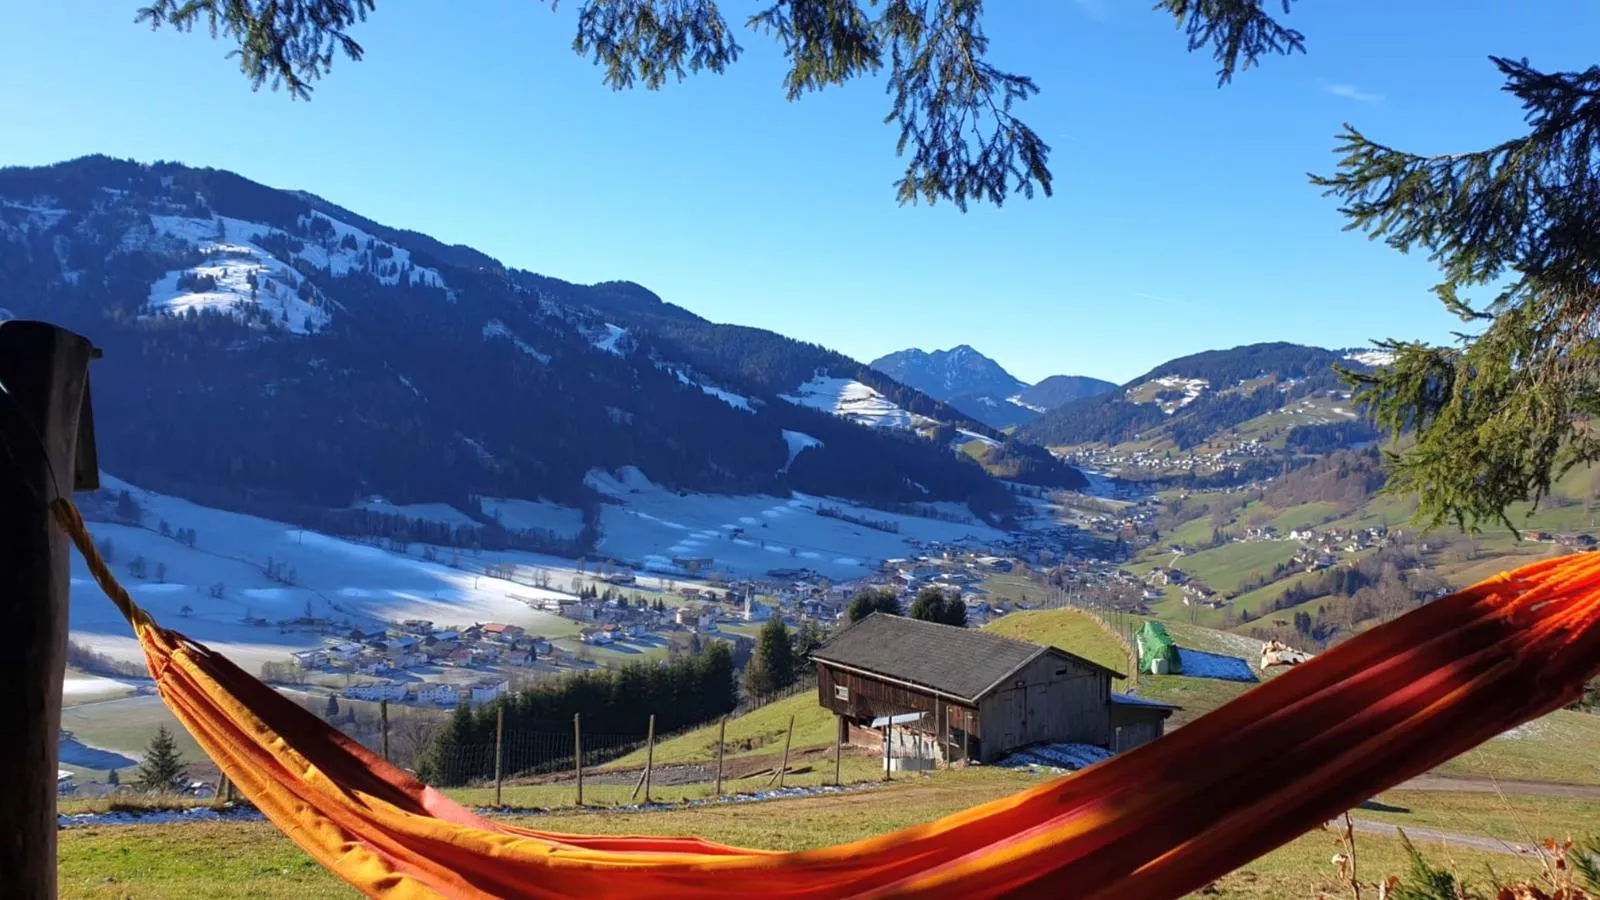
{"x": 1157, "y": 822}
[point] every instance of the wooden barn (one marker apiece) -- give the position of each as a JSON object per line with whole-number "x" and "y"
{"x": 980, "y": 695}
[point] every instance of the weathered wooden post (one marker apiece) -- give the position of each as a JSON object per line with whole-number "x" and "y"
{"x": 649, "y": 756}
{"x": 499, "y": 739}
{"x": 722, "y": 737}
{"x": 784, "y": 765}
{"x": 383, "y": 727}
{"x": 47, "y": 433}
{"x": 577, "y": 753}
{"x": 838, "y": 745}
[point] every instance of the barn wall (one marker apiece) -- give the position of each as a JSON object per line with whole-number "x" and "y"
{"x": 1135, "y": 726}
{"x": 870, "y": 698}
{"x": 1052, "y": 699}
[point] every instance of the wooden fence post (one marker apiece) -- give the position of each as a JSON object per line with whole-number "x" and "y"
{"x": 649, "y": 756}
{"x": 47, "y": 428}
{"x": 499, "y": 741}
{"x": 722, "y": 737}
{"x": 838, "y": 746}
{"x": 383, "y": 728}
{"x": 577, "y": 753}
{"x": 784, "y": 765}
{"x": 888, "y": 773}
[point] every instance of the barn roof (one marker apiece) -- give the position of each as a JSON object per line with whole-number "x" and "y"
{"x": 960, "y": 662}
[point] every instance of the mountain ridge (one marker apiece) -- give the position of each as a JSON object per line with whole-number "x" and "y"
{"x": 269, "y": 351}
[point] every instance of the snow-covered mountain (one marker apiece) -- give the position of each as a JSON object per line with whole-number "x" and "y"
{"x": 271, "y": 352}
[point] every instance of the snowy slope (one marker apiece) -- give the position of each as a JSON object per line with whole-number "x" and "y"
{"x": 852, "y": 400}
{"x": 798, "y": 441}
{"x": 751, "y": 534}
{"x": 496, "y": 329}
{"x": 240, "y": 274}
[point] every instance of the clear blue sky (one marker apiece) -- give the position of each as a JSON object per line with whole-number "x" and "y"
{"x": 1182, "y": 219}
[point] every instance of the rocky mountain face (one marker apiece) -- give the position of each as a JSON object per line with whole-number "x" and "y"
{"x": 981, "y": 388}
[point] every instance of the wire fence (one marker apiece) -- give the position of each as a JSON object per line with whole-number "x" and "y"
{"x": 550, "y": 768}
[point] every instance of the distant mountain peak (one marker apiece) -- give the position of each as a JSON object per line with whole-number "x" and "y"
{"x": 948, "y": 374}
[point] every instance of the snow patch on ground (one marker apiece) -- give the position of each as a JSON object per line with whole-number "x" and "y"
{"x": 1017, "y": 401}
{"x": 1199, "y": 664}
{"x": 495, "y": 328}
{"x": 850, "y": 399}
{"x": 798, "y": 441}
{"x": 161, "y": 817}
{"x": 441, "y": 513}
{"x": 1373, "y": 358}
{"x": 1056, "y": 757}
{"x": 81, "y": 687}
{"x": 728, "y": 397}
{"x": 1192, "y": 388}
{"x": 982, "y": 439}
{"x": 609, "y": 340}
{"x": 525, "y": 515}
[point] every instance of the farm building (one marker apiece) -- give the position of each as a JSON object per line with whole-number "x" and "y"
{"x": 980, "y": 695}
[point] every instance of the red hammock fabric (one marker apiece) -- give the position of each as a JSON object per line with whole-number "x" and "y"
{"x": 1157, "y": 822}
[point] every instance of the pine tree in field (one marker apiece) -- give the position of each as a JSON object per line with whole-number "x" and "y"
{"x": 772, "y": 667}
{"x": 163, "y": 767}
{"x": 331, "y": 711}
{"x": 112, "y": 779}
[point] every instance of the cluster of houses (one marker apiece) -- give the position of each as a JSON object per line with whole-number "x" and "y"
{"x": 436, "y": 693}
{"x": 1147, "y": 463}
{"x": 381, "y": 650}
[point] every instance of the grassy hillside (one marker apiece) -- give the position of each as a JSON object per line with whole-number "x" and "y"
{"x": 1065, "y": 629}
{"x": 757, "y": 732}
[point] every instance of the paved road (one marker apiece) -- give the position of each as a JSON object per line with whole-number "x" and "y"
{"x": 1509, "y": 788}
{"x": 1420, "y": 835}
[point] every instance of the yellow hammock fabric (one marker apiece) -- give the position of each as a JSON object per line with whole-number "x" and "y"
{"x": 1158, "y": 822}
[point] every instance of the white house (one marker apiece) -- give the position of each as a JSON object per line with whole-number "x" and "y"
{"x": 309, "y": 659}
{"x": 344, "y": 651}
{"x": 436, "y": 693}
{"x": 376, "y": 690}
{"x": 487, "y": 690}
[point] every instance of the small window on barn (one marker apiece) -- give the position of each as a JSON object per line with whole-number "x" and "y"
{"x": 840, "y": 692}
{"x": 1061, "y": 671}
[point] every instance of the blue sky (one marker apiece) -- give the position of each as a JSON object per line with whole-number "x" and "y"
{"x": 1182, "y": 219}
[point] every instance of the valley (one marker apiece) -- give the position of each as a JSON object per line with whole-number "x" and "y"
{"x": 386, "y": 473}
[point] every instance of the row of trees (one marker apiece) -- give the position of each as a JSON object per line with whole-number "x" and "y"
{"x": 932, "y": 604}
{"x": 616, "y": 703}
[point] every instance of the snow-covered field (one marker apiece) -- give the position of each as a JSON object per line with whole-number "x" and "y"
{"x": 852, "y": 400}
{"x": 526, "y": 515}
{"x": 333, "y": 578}
{"x": 749, "y": 535}
{"x": 344, "y": 580}
{"x": 1374, "y": 358}
{"x": 82, "y": 688}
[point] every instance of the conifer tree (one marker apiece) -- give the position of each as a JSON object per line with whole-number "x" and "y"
{"x": 163, "y": 767}
{"x": 772, "y": 667}
{"x": 331, "y": 710}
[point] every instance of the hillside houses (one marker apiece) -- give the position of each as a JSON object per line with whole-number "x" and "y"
{"x": 484, "y": 690}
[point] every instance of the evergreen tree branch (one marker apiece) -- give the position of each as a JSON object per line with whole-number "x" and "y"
{"x": 953, "y": 107}
{"x": 1509, "y": 410}
{"x": 1240, "y": 32}
{"x": 289, "y": 43}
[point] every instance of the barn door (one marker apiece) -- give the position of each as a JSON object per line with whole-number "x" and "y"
{"x": 1010, "y": 712}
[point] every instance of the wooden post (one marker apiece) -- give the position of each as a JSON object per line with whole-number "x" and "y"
{"x": 838, "y": 746}
{"x": 722, "y": 737}
{"x": 938, "y": 730}
{"x": 577, "y": 753}
{"x": 784, "y": 765}
{"x": 888, "y": 730}
{"x": 47, "y": 430}
{"x": 649, "y": 756}
{"x": 499, "y": 739}
{"x": 383, "y": 728}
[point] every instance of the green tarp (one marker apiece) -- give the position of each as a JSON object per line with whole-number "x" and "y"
{"x": 1158, "y": 655}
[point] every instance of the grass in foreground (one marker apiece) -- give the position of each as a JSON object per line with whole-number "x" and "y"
{"x": 252, "y": 859}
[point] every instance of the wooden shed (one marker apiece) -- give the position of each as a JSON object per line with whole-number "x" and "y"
{"x": 983, "y": 695}
{"x": 1136, "y": 721}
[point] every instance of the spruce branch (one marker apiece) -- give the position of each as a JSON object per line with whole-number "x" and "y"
{"x": 287, "y": 43}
